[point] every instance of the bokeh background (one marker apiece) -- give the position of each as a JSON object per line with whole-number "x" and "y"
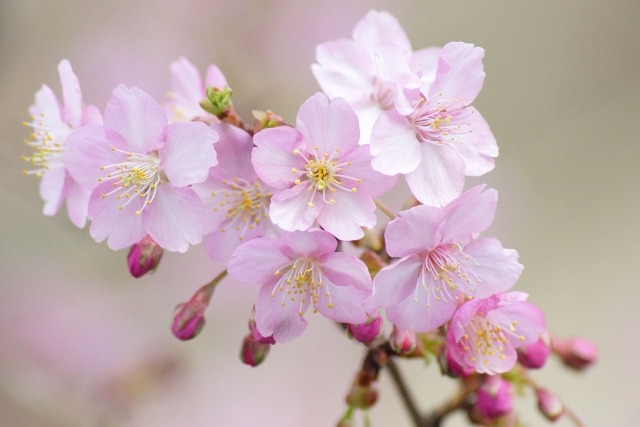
{"x": 84, "y": 344}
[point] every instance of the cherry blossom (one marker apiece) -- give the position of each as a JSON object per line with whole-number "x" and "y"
{"x": 139, "y": 170}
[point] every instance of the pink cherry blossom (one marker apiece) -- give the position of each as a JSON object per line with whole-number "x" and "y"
{"x": 52, "y": 123}
{"x": 188, "y": 89}
{"x": 433, "y": 135}
{"x": 443, "y": 262}
{"x": 320, "y": 171}
{"x": 237, "y": 200}
{"x": 485, "y": 333}
{"x": 300, "y": 270}
{"x": 346, "y": 67}
{"x": 139, "y": 170}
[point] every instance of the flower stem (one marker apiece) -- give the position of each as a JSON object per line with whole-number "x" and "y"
{"x": 405, "y": 394}
{"x": 384, "y": 208}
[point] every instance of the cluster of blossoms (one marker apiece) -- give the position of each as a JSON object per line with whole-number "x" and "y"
{"x": 292, "y": 208}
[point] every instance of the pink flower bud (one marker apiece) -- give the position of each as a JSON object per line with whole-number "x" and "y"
{"x": 253, "y": 352}
{"x": 144, "y": 257}
{"x": 402, "y": 341}
{"x": 367, "y": 331}
{"x": 495, "y": 398}
{"x": 362, "y": 397}
{"x": 188, "y": 321}
{"x": 577, "y": 353}
{"x": 535, "y": 355}
{"x": 549, "y": 404}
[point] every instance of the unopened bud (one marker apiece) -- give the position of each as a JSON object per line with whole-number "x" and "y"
{"x": 362, "y": 397}
{"x": 402, "y": 341}
{"x": 549, "y": 404}
{"x": 266, "y": 119}
{"x": 188, "y": 321}
{"x": 253, "y": 352}
{"x": 577, "y": 353}
{"x": 367, "y": 331}
{"x": 144, "y": 257}
{"x": 495, "y": 398}
{"x": 217, "y": 101}
{"x": 535, "y": 355}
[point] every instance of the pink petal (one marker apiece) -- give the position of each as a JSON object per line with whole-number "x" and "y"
{"x": 256, "y": 261}
{"x": 497, "y": 268}
{"x": 188, "y": 153}
{"x": 423, "y": 62}
{"x": 393, "y": 67}
{"x": 346, "y": 270}
{"x": 344, "y": 303}
{"x": 420, "y": 311}
{"x": 186, "y": 84}
{"x": 215, "y": 77}
{"x": 312, "y": 243}
{"x": 346, "y": 217}
{"x": 234, "y": 153}
{"x": 290, "y": 208}
{"x": 175, "y": 218}
{"x": 377, "y": 27}
{"x": 469, "y": 215}
{"x": 77, "y": 203}
{"x": 133, "y": 117}
{"x": 122, "y": 227}
{"x": 71, "y": 94}
{"x": 440, "y": 176}
{"x": 414, "y": 231}
{"x": 395, "y": 282}
{"x": 272, "y": 317}
{"x": 460, "y": 73}
{"x": 88, "y": 150}
{"x": 52, "y": 190}
{"x": 394, "y": 144}
{"x": 374, "y": 182}
{"x": 221, "y": 245}
{"x": 273, "y": 157}
{"x": 46, "y": 103}
{"x": 344, "y": 69}
{"x": 529, "y": 320}
{"x": 91, "y": 116}
{"x": 328, "y": 125}
{"x": 476, "y": 144}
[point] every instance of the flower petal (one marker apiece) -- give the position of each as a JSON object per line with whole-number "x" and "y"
{"x": 274, "y": 317}
{"x": 440, "y": 176}
{"x": 135, "y": 118}
{"x": 395, "y": 282}
{"x": 256, "y": 261}
{"x": 469, "y": 215}
{"x": 459, "y": 75}
{"x": 52, "y": 190}
{"x": 341, "y": 303}
{"x": 188, "y": 153}
{"x": 475, "y": 143}
{"x": 312, "y": 243}
{"x": 346, "y": 270}
{"x": 327, "y": 125}
{"x": 414, "y": 231}
{"x": 290, "y": 209}
{"x": 71, "y": 94}
{"x": 273, "y": 157}
{"x": 346, "y": 217}
{"x": 393, "y": 145}
{"x": 176, "y": 218}
{"x": 381, "y": 26}
{"x": 77, "y": 203}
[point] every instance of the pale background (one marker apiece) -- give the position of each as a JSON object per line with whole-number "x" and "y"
{"x": 84, "y": 344}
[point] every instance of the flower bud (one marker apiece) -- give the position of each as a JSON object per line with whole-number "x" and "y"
{"x": 535, "y": 355}
{"x": 188, "y": 321}
{"x": 367, "y": 331}
{"x": 402, "y": 341}
{"x": 549, "y": 404}
{"x": 144, "y": 257}
{"x": 253, "y": 352}
{"x": 577, "y": 353}
{"x": 265, "y": 119}
{"x": 254, "y": 330}
{"x": 217, "y": 101}
{"x": 362, "y": 397}
{"x": 495, "y": 398}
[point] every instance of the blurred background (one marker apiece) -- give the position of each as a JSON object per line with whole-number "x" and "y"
{"x": 84, "y": 344}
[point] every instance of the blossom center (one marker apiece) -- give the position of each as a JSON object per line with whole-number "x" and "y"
{"x": 440, "y": 123}
{"x": 246, "y": 204}
{"x": 324, "y": 174}
{"x": 443, "y": 276}
{"x": 47, "y": 141}
{"x": 300, "y": 282}
{"x": 138, "y": 175}
{"x": 484, "y": 340}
